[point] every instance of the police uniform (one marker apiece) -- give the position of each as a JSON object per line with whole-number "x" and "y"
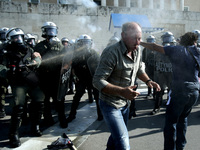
{"x": 49, "y": 74}
{"x": 23, "y": 81}
{"x": 3, "y": 87}
{"x": 84, "y": 71}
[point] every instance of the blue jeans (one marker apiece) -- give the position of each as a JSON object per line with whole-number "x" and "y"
{"x": 177, "y": 111}
{"x": 116, "y": 120}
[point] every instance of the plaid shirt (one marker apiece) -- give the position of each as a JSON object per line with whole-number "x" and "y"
{"x": 117, "y": 68}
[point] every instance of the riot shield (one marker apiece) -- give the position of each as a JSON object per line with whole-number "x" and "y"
{"x": 92, "y": 62}
{"x": 65, "y": 72}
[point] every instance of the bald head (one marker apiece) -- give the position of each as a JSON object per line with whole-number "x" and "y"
{"x": 131, "y": 35}
{"x": 131, "y": 26}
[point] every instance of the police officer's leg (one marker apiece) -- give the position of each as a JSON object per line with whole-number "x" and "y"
{"x": 132, "y": 112}
{"x": 19, "y": 94}
{"x": 96, "y": 97}
{"x": 71, "y": 85}
{"x": 80, "y": 90}
{"x": 36, "y": 109}
{"x": 158, "y": 101}
{"x": 48, "y": 119}
{"x": 89, "y": 89}
{"x": 2, "y": 101}
{"x": 60, "y": 108}
{"x": 26, "y": 110}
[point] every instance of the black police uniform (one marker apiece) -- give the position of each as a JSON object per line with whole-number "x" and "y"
{"x": 23, "y": 80}
{"x": 49, "y": 74}
{"x": 83, "y": 74}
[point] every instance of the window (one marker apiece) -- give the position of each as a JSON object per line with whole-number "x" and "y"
{"x": 34, "y": 1}
{"x": 186, "y": 8}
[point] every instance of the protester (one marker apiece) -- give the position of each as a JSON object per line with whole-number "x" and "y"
{"x": 184, "y": 89}
{"x": 119, "y": 65}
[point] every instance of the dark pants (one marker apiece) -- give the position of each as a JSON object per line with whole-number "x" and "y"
{"x": 158, "y": 98}
{"x": 17, "y": 104}
{"x": 177, "y": 111}
{"x": 80, "y": 90}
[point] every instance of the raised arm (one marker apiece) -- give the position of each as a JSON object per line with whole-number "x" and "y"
{"x": 153, "y": 46}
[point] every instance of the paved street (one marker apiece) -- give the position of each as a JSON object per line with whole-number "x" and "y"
{"x": 87, "y": 133}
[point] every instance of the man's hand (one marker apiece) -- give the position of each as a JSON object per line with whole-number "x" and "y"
{"x": 129, "y": 93}
{"x": 153, "y": 84}
{"x": 36, "y": 54}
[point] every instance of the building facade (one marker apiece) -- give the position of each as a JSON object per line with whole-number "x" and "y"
{"x": 85, "y": 17}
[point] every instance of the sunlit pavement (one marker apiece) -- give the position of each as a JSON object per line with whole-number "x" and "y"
{"x": 145, "y": 130}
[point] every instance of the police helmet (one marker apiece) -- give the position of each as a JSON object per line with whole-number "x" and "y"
{"x": 30, "y": 39}
{"x": 114, "y": 39}
{"x": 64, "y": 40}
{"x": 168, "y": 38}
{"x": 72, "y": 41}
{"x": 84, "y": 40}
{"x": 15, "y": 35}
{"x": 3, "y": 33}
{"x": 151, "y": 39}
{"x": 49, "y": 29}
{"x": 197, "y": 32}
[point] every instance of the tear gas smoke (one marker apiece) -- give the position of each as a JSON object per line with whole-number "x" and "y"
{"x": 86, "y": 3}
{"x": 86, "y": 22}
{"x": 53, "y": 58}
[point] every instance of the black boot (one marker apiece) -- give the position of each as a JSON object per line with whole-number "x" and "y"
{"x": 132, "y": 112}
{"x": 14, "y": 140}
{"x": 70, "y": 118}
{"x": 61, "y": 114}
{"x": 158, "y": 102}
{"x": 63, "y": 121}
{"x": 36, "y": 111}
{"x": 14, "y": 126}
{"x": 48, "y": 119}
{"x": 35, "y": 130}
{"x": 2, "y": 112}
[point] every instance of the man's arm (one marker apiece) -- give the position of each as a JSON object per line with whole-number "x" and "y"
{"x": 153, "y": 46}
{"x": 144, "y": 77}
{"x": 126, "y": 92}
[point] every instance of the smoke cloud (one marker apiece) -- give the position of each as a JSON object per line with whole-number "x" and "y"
{"x": 85, "y": 22}
{"x": 85, "y": 3}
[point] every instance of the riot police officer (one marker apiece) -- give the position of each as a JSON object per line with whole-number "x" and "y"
{"x": 30, "y": 40}
{"x": 3, "y": 81}
{"x": 21, "y": 63}
{"x": 148, "y": 57}
{"x": 69, "y": 44}
{"x": 51, "y": 51}
{"x": 65, "y": 41}
{"x": 114, "y": 39}
{"x": 163, "y": 71}
{"x": 83, "y": 67}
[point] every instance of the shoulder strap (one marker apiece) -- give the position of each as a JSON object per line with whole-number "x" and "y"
{"x": 193, "y": 57}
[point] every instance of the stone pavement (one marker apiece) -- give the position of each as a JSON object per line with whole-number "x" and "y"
{"x": 87, "y": 133}
{"x": 145, "y": 130}
{"x": 86, "y": 115}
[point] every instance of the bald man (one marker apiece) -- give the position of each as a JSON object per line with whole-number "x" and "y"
{"x": 119, "y": 65}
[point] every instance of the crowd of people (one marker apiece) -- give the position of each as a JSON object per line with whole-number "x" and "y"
{"x": 41, "y": 71}
{"x": 52, "y": 68}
